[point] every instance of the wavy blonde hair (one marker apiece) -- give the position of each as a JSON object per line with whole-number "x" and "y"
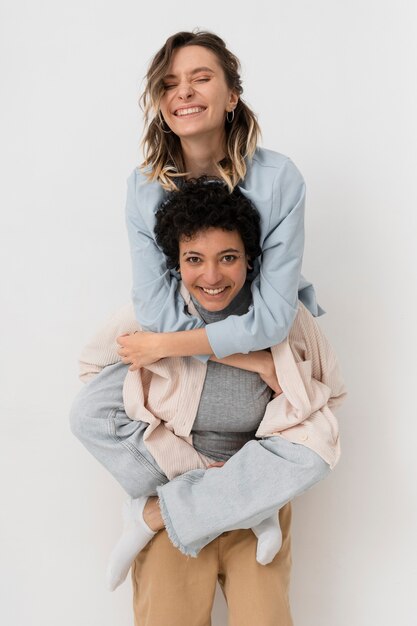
{"x": 162, "y": 150}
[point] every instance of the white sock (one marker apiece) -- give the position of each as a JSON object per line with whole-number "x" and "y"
{"x": 269, "y": 539}
{"x": 135, "y": 535}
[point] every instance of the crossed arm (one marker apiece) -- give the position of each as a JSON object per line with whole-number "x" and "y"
{"x": 142, "y": 348}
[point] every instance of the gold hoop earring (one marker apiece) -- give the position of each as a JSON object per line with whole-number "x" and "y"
{"x": 232, "y": 117}
{"x": 161, "y": 124}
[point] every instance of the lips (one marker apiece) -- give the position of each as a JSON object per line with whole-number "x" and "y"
{"x": 189, "y": 111}
{"x": 213, "y": 292}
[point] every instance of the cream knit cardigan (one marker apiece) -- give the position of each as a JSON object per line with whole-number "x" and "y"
{"x": 167, "y": 393}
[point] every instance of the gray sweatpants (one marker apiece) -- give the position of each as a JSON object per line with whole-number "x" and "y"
{"x": 200, "y": 505}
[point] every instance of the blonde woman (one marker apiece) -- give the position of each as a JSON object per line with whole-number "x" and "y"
{"x": 196, "y": 123}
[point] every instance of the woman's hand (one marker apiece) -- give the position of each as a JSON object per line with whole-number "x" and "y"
{"x": 140, "y": 349}
{"x": 143, "y": 347}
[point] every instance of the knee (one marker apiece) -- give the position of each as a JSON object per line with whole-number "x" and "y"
{"x": 319, "y": 469}
{"x": 78, "y": 415}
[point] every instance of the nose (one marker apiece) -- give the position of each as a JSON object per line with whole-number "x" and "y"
{"x": 185, "y": 90}
{"x": 212, "y": 274}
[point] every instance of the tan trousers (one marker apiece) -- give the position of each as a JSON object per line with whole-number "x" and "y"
{"x": 170, "y": 589}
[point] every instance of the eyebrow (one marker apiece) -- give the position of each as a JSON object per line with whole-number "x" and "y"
{"x": 195, "y": 71}
{"x": 228, "y": 250}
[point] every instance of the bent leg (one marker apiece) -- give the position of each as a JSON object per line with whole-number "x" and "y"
{"x": 99, "y": 421}
{"x": 254, "y": 483}
{"x": 135, "y": 536}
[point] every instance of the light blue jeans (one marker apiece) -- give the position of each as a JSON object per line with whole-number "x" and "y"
{"x": 200, "y": 505}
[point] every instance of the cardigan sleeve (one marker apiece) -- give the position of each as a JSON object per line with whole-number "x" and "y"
{"x": 312, "y": 384}
{"x": 174, "y": 454}
{"x": 157, "y": 303}
{"x": 102, "y": 349}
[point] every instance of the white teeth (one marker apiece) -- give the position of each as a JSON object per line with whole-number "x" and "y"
{"x": 213, "y": 292}
{"x": 189, "y": 111}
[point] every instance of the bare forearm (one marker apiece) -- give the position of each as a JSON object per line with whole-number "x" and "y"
{"x": 260, "y": 362}
{"x": 143, "y": 348}
{"x": 252, "y": 362}
{"x": 184, "y": 343}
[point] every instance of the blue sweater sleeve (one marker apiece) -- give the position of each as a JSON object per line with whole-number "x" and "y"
{"x": 158, "y": 305}
{"x": 275, "y": 289}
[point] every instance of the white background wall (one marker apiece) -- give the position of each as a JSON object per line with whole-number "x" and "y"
{"x": 333, "y": 83}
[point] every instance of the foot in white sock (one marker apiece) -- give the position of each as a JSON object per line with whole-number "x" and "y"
{"x": 269, "y": 539}
{"x": 135, "y": 535}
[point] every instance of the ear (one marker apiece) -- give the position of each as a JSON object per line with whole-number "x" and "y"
{"x": 249, "y": 264}
{"x": 233, "y": 100}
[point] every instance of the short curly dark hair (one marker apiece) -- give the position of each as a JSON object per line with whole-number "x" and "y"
{"x": 204, "y": 203}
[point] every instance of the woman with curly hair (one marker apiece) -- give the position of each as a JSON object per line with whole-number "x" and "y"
{"x": 196, "y": 416}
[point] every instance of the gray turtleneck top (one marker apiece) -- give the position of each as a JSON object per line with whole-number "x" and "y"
{"x": 233, "y": 401}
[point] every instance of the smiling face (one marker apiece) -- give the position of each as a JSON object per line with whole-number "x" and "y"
{"x": 213, "y": 266}
{"x": 196, "y": 96}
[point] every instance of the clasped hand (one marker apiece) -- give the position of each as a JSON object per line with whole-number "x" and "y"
{"x": 140, "y": 349}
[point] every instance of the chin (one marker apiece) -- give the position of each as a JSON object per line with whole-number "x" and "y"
{"x": 212, "y": 305}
